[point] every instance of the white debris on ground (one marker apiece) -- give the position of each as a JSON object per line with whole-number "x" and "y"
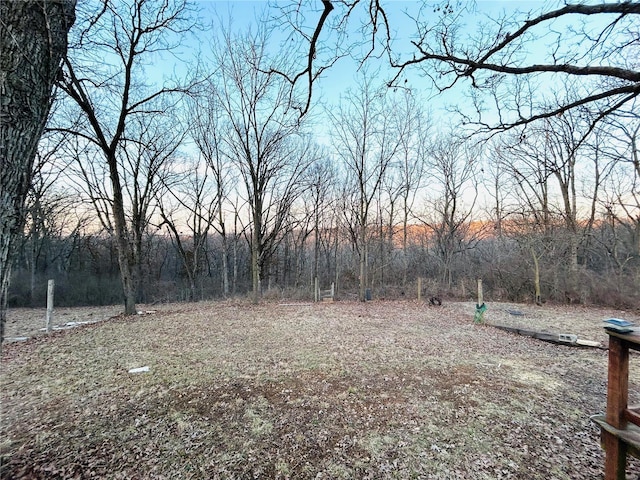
{"x": 139, "y": 369}
{"x": 25, "y": 323}
{"x": 68, "y": 325}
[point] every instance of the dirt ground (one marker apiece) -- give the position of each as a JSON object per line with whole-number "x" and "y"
{"x": 584, "y": 321}
{"x": 338, "y": 390}
{"x": 30, "y": 322}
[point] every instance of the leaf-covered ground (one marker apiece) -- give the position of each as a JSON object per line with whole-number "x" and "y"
{"x": 340, "y": 390}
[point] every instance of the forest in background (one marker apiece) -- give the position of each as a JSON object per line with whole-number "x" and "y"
{"x": 213, "y": 184}
{"x": 85, "y": 269}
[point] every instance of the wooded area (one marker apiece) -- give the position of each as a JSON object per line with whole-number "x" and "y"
{"x": 211, "y": 183}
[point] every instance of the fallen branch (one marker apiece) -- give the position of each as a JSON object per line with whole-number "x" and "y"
{"x": 568, "y": 339}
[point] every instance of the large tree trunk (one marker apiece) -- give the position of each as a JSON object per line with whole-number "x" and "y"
{"x": 127, "y": 272}
{"x": 255, "y": 259}
{"x": 127, "y": 260}
{"x": 33, "y": 35}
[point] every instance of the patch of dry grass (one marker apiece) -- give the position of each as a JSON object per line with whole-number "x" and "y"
{"x": 342, "y": 390}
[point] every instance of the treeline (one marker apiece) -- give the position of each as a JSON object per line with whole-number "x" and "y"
{"x": 86, "y": 271}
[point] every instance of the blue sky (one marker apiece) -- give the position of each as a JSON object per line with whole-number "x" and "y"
{"x": 343, "y": 75}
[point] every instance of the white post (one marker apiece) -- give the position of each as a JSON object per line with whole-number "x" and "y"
{"x": 316, "y": 291}
{"x": 50, "y": 289}
{"x": 480, "y": 296}
{"x": 333, "y": 290}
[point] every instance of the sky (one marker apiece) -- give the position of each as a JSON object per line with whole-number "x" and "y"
{"x": 343, "y": 75}
{"x": 336, "y": 81}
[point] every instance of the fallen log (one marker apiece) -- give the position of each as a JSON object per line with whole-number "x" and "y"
{"x": 568, "y": 339}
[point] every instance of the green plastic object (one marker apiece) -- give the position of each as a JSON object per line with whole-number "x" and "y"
{"x": 478, "y": 317}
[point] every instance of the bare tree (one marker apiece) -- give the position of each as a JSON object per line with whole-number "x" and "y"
{"x": 311, "y": 213}
{"x": 145, "y": 160}
{"x": 52, "y": 211}
{"x": 33, "y": 35}
{"x": 555, "y": 173}
{"x": 620, "y": 143}
{"x": 410, "y": 168}
{"x": 553, "y": 159}
{"x": 209, "y": 128}
{"x": 263, "y": 142}
{"x": 188, "y": 209}
{"x": 318, "y": 198}
{"x": 453, "y": 166}
{"x": 497, "y": 173}
{"x": 114, "y": 96}
{"x": 367, "y": 138}
{"x": 528, "y": 207}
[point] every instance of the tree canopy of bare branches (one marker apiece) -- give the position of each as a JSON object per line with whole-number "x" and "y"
{"x": 594, "y": 45}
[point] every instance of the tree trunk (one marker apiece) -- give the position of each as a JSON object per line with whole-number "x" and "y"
{"x": 363, "y": 262}
{"x": 225, "y": 265}
{"x": 235, "y": 254}
{"x": 255, "y": 266}
{"x": 127, "y": 276}
{"x": 536, "y": 277}
{"x": 33, "y": 265}
{"x": 33, "y": 35}
{"x": 405, "y": 258}
{"x": 235, "y": 265}
{"x": 127, "y": 260}
{"x": 316, "y": 244}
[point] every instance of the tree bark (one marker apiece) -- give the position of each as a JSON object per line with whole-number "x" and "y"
{"x": 363, "y": 257}
{"x": 225, "y": 250}
{"x": 126, "y": 256}
{"x": 256, "y": 240}
{"x": 536, "y": 277}
{"x": 225, "y": 265}
{"x": 33, "y": 35}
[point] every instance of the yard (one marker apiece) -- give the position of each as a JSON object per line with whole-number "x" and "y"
{"x": 327, "y": 391}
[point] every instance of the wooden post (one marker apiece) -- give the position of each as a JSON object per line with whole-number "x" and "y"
{"x": 316, "y": 292}
{"x": 618, "y": 382}
{"x": 333, "y": 291}
{"x": 419, "y": 288}
{"x": 615, "y": 461}
{"x": 480, "y": 296}
{"x": 617, "y": 398}
{"x": 49, "y": 318}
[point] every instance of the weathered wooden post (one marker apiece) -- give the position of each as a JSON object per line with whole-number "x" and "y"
{"x": 419, "y": 288}
{"x": 316, "y": 292}
{"x": 49, "y": 318}
{"x": 480, "y": 295}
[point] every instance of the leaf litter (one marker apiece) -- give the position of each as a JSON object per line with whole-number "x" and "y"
{"x": 337, "y": 390}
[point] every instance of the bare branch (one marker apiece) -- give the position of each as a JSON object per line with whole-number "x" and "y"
{"x": 458, "y": 63}
{"x": 308, "y": 71}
